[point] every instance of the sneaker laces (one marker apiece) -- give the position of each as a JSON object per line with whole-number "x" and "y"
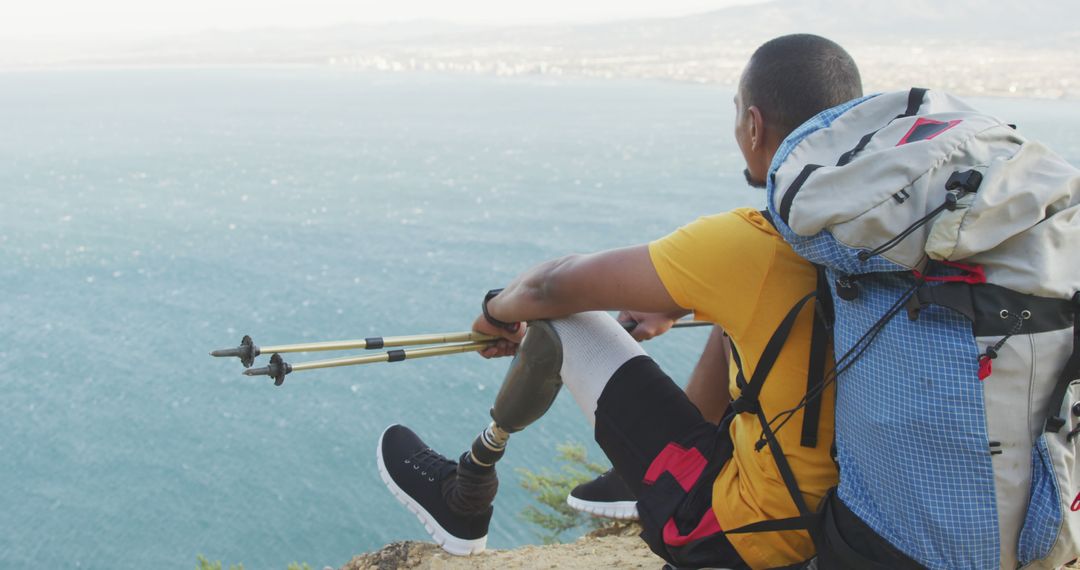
{"x": 430, "y": 464}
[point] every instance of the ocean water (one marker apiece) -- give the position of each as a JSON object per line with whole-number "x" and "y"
{"x": 148, "y": 216}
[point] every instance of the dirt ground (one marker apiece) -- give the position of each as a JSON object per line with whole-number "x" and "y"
{"x": 615, "y": 547}
{"x": 618, "y": 547}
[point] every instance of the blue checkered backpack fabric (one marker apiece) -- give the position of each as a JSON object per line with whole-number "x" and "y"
{"x": 949, "y": 241}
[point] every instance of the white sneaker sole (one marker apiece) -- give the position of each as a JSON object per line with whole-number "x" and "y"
{"x": 448, "y": 542}
{"x": 622, "y": 510}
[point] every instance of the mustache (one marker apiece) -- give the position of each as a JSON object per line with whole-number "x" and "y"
{"x": 751, "y": 181}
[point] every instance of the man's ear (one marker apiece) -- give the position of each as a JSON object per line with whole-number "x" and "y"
{"x": 757, "y": 128}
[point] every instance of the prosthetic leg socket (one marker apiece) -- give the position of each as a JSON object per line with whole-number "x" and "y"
{"x": 527, "y": 391}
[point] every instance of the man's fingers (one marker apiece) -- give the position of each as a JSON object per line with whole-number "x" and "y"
{"x": 500, "y": 348}
{"x": 517, "y": 336}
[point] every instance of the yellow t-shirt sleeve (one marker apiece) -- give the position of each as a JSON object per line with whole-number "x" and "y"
{"x": 715, "y": 266}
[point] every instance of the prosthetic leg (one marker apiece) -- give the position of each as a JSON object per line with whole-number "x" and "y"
{"x": 529, "y": 389}
{"x": 586, "y": 349}
{"x": 527, "y": 392}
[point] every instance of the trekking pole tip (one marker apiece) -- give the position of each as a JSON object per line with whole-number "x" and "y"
{"x": 277, "y": 369}
{"x": 247, "y": 351}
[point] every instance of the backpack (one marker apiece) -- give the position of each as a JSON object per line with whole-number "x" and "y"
{"x": 945, "y": 239}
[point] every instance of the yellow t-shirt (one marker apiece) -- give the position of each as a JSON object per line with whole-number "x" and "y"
{"x": 735, "y": 270}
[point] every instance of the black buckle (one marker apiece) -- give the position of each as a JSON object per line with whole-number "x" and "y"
{"x": 1053, "y": 424}
{"x": 914, "y": 306}
{"x": 967, "y": 181}
{"x": 741, "y": 405}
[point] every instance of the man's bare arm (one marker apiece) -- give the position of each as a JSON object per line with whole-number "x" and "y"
{"x": 609, "y": 280}
{"x": 708, "y": 388}
{"x": 617, "y": 279}
{"x": 650, "y": 325}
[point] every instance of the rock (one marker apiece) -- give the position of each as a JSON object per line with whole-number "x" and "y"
{"x": 616, "y": 546}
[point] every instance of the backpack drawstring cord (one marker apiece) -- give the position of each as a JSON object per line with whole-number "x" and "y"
{"x": 985, "y": 368}
{"x": 950, "y": 204}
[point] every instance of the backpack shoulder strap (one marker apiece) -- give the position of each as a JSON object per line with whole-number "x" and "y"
{"x": 819, "y": 346}
{"x": 819, "y": 343}
{"x": 748, "y": 400}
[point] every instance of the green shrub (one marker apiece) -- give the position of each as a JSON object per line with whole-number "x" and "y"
{"x": 550, "y": 488}
{"x": 204, "y": 564}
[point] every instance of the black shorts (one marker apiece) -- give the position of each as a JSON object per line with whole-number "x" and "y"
{"x": 669, "y": 456}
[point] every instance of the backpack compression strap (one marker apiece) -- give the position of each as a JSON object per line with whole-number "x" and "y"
{"x": 1054, "y": 422}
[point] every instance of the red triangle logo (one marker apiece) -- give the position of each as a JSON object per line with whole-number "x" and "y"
{"x": 926, "y": 129}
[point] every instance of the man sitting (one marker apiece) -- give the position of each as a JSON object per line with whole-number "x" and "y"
{"x": 693, "y": 479}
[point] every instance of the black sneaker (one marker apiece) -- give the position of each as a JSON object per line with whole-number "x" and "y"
{"x": 606, "y": 496}
{"x": 429, "y": 485}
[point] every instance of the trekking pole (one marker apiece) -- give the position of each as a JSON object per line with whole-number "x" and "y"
{"x": 248, "y": 350}
{"x": 631, "y": 325}
{"x": 278, "y": 368}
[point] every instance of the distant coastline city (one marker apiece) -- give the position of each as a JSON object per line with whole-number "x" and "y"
{"x": 961, "y": 69}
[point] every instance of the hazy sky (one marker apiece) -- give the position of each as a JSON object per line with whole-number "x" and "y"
{"x": 81, "y": 18}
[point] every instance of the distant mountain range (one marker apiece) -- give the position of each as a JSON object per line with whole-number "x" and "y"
{"x": 1042, "y": 23}
{"x": 1002, "y": 37}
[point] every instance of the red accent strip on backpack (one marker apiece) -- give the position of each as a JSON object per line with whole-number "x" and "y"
{"x": 707, "y": 527}
{"x": 1076, "y": 503}
{"x": 684, "y": 464}
{"x": 985, "y": 369}
{"x": 975, "y": 274}
{"x": 921, "y": 122}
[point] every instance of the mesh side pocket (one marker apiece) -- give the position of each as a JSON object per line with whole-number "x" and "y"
{"x": 1050, "y": 536}
{"x": 1043, "y": 521}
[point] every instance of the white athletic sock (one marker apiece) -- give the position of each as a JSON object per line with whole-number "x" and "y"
{"x": 594, "y": 346}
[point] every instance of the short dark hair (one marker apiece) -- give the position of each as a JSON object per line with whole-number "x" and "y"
{"x": 792, "y": 78}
